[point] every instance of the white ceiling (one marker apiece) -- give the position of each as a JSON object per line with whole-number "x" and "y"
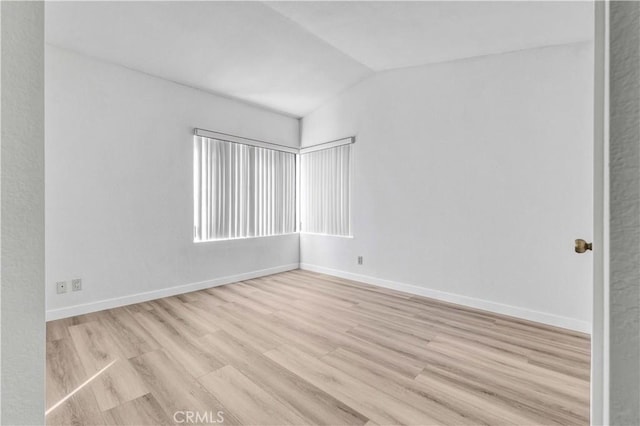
{"x": 293, "y": 56}
{"x": 386, "y": 35}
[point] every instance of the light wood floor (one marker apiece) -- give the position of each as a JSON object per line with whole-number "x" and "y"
{"x": 305, "y": 348}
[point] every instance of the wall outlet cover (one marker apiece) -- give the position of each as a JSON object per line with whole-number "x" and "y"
{"x": 76, "y": 284}
{"x": 61, "y": 287}
{"x": 360, "y": 260}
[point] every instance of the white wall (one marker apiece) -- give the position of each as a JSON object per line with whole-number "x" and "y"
{"x": 472, "y": 179}
{"x": 22, "y": 211}
{"x": 119, "y": 192}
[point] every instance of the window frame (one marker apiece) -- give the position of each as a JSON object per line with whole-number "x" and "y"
{"x": 197, "y": 176}
{"x": 297, "y": 152}
{"x": 323, "y": 146}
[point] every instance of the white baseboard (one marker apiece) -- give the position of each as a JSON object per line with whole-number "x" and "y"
{"x": 100, "y": 305}
{"x": 499, "y": 308}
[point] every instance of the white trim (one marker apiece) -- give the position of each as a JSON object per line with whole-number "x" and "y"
{"x": 325, "y": 235}
{"x": 244, "y": 238}
{"x": 327, "y": 145}
{"x": 499, "y": 308}
{"x": 86, "y": 308}
{"x": 203, "y": 133}
{"x": 600, "y": 410}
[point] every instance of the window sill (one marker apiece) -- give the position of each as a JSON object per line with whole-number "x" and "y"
{"x": 242, "y": 238}
{"x": 327, "y": 235}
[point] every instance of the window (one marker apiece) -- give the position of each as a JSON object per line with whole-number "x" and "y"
{"x": 325, "y": 185}
{"x": 242, "y": 190}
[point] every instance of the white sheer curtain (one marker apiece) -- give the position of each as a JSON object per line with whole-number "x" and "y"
{"x": 242, "y": 191}
{"x": 325, "y": 186}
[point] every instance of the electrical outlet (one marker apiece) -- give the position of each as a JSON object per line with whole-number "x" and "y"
{"x": 61, "y": 287}
{"x": 359, "y": 260}
{"x": 76, "y": 284}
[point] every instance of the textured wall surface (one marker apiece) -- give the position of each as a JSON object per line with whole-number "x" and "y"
{"x": 625, "y": 213}
{"x": 22, "y": 210}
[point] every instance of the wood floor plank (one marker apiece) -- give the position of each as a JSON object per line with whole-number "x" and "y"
{"x": 237, "y": 328}
{"x": 314, "y": 277}
{"x": 279, "y": 285}
{"x": 278, "y": 332}
{"x": 395, "y": 385}
{"x": 64, "y": 371}
{"x": 556, "y": 381}
{"x": 229, "y": 294}
{"x": 520, "y": 388}
{"x": 118, "y": 384}
{"x": 174, "y": 389}
{"x": 263, "y": 299}
{"x": 391, "y": 357}
{"x": 142, "y": 411}
{"x": 373, "y": 403}
{"x": 174, "y": 313}
{"x": 483, "y": 406}
{"x": 75, "y": 411}
{"x": 311, "y": 403}
{"x": 579, "y": 370}
{"x": 97, "y": 350}
{"x": 253, "y": 405}
{"x": 130, "y": 336}
{"x": 65, "y": 376}
{"x": 306, "y": 348}
{"x": 538, "y": 407}
{"x": 58, "y": 329}
{"x": 580, "y": 345}
{"x": 197, "y": 360}
{"x": 95, "y": 346}
{"x": 331, "y": 319}
{"x": 254, "y": 325}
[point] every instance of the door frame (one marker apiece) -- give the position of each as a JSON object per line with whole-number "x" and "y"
{"x": 600, "y": 318}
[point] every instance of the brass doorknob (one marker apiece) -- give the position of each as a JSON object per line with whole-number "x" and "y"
{"x": 582, "y": 246}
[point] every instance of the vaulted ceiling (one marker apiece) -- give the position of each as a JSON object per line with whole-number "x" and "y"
{"x": 293, "y": 56}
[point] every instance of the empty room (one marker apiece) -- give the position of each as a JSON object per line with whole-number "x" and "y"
{"x": 317, "y": 213}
